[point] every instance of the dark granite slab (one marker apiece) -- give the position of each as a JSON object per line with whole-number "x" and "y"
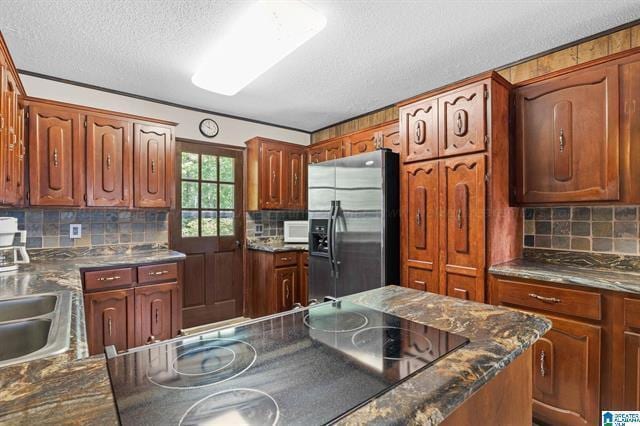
{"x": 275, "y": 245}
{"x": 54, "y": 387}
{"x": 558, "y": 273}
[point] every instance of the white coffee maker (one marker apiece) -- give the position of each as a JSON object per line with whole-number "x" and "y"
{"x": 11, "y": 255}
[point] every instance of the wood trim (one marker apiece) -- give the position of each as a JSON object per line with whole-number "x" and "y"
{"x": 346, "y": 135}
{"x": 4, "y": 50}
{"x": 215, "y": 144}
{"x": 91, "y": 110}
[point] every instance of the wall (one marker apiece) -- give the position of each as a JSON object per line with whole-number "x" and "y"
{"x": 50, "y": 228}
{"x": 272, "y": 222}
{"x": 578, "y": 53}
{"x": 232, "y": 131}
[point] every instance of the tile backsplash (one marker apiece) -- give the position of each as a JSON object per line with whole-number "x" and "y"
{"x": 272, "y": 222}
{"x": 49, "y": 228}
{"x": 602, "y": 229}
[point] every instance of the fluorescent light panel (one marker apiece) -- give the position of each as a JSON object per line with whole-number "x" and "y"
{"x": 266, "y": 33}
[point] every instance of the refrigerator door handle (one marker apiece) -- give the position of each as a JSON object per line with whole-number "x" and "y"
{"x": 332, "y": 240}
{"x": 330, "y": 237}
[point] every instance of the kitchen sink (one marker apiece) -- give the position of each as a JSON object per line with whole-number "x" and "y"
{"x": 34, "y": 326}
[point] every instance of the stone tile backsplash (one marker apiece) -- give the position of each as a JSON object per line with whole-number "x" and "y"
{"x": 605, "y": 229}
{"x": 272, "y": 222}
{"x": 49, "y": 228}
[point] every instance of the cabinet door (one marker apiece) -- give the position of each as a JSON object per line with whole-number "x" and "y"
{"x": 420, "y": 225}
{"x": 631, "y": 392}
{"x": 567, "y": 140}
{"x": 19, "y": 157}
{"x": 463, "y": 121}
{"x": 566, "y": 374}
{"x": 390, "y": 136}
{"x": 152, "y": 166}
{"x": 110, "y": 321}
{"x": 419, "y": 130}
{"x": 56, "y": 156}
{"x": 462, "y": 185}
{"x": 272, "y": 181}
{"x": 302, "y": 293}
{"x": 334, "y": 150}
{"x": 109, "y": 166}
{"x": 156, "y": 312}
{"x": 297, "y": 185}
{"x": 362, "y": 142}
{"x": 286, "y": 282}
{"x": 9, "y": 189}
{"x": 317, "y": 155}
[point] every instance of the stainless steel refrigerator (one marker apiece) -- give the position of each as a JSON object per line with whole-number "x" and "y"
{"x": 353, "y": 224}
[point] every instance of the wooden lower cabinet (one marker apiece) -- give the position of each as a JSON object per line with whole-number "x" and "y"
{"x": 286, "y": 281}
{"x": 134, "y": 314}
{"x": 157, "y": 310}
{"x": 109, "y": 316}
{"x": 631, "y": 384}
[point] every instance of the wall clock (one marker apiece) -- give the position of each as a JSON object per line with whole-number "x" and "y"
{"x": 209, "y": 128}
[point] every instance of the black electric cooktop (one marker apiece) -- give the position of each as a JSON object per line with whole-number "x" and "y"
{"x": 306, "y": 367}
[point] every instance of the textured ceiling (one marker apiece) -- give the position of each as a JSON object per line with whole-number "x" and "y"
{"x": 371, "y": 53}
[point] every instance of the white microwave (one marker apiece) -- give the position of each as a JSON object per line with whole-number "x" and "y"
{"x": 296, "y": 231}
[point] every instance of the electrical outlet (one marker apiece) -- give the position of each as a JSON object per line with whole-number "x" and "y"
{"x": 75, "y": 231}
{"x": 258, "y": 230}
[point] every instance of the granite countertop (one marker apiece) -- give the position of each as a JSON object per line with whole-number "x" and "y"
{"x": 70, "y": 387}
{"x": 275, "y": 245}
{"x": 599, "y": 272}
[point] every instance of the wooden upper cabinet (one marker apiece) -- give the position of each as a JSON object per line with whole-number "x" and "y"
{"x": 419, "y": 130}
{"x": 20, "y": 156}
{"x": 390, "y": 135}
{"x": 462, "y": 182}
{"x": 296, "y": 182}
{"x": 10, "y": 147}
{"x": 109, "y": 165}
{"x": 420, "y": 226}
{"x": 361, "y": 142}
{"x": 56, "y": 156}
{"x": 334, "y": 150}
{"x": 152, "y": 166}
{"x": 567, "y": 137}
{"x": 463, "y": 120}
{"x": 316, "y": 155}
{"x": 273, "y": 176}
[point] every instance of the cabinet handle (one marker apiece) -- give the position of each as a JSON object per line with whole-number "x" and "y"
{"x": 153, "y": 166}
{"x": 109, "y": 326}
{"x": 459, "y": 218}
{"x": 152, "y": 273}
{"x": 284, "y": 259}
{"x": 418, "y": 132}
{"x": 459, "y": 122}
{"x": 542, "y": 370}
{"x": 545, "y": 299}
{"x": 418, "y": 218}
{"x": 108, "y": 161}
{"x": 116, "y": 277}
{"x": 156, "y": 315}
{"x": 151, "y": 339}
{"x": 286, "y": 292}
{"x": 562, "y": 140}
{"x": 55, "y": 157}
{"x": 273, "y": 175}
{"x": 295, "y": 179}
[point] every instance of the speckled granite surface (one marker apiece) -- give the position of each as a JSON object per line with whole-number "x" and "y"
{"x": 67, "y": 387}
{"x": 497, "y": 337}
{"x": 607, "y": 272}
{"x": 274, "y": 245}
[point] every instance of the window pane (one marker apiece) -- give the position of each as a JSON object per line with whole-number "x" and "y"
{"x": 189, "y": 224}
{"x": 209, "y": 167}
{"x": 189, "y": 165}
{"x": 209, "y": 195}
{"x": 189, "y": 195}
{"x": 209, "y": 224}
{"x": 226, "y": 196}
{"x": 226, "y": 223}
{"x": 226, "y": 169}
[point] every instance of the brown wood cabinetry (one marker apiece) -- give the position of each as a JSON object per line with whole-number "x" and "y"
{"x": 631, "y": 363}
{"x": 454, "y": 198}
{"x": 132, "y": 306}
{"x": 575, "y": 131}
{"x": 81, "y": 156}
{"x": 276, "y": 281}
{"x": 361, "y": 142}
{"x": 276, "y": 175}
{"x": 153, "y": 157}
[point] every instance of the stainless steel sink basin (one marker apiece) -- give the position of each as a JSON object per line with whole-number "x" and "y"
{"x": 34, "y": 326}
{"x": 27, "y": 307}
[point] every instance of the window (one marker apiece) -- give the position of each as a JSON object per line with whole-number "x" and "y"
{"x": 207, "y": 195}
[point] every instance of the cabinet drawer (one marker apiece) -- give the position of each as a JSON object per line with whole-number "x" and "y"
{"x": 632, "y": 313}
{"x": 156, "y": 273}
{"x": 108, "y": 278}
{"x": 285, "y": 259}
{"x": 560, "y": 300}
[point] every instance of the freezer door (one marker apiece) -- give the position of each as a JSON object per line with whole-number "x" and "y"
{"x": 321, "y": 192}
{"x": 359, "y": 225}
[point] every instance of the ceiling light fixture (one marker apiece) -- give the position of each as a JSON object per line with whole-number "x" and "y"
{"x": 261, "y": 37}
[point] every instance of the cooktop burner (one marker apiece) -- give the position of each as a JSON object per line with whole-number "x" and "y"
{"x": 233, "y": 407}
{"x": 394, "y": 343}
{"x": 332, "y": 318}
{"x": 200, "y": 363}
{"x": 303, "y": 367}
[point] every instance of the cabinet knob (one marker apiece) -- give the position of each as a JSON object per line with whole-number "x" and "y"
{"x": 152, "y": 339}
